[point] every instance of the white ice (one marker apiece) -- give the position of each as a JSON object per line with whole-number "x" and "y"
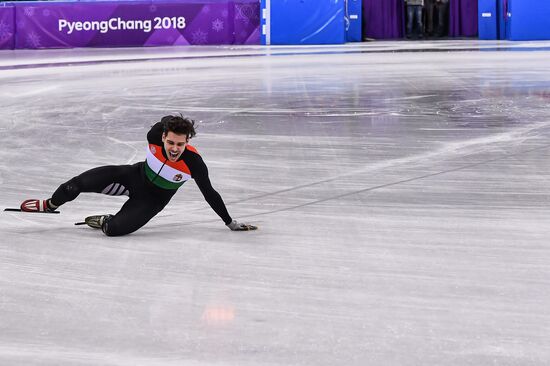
{"x": 402, "y": 192}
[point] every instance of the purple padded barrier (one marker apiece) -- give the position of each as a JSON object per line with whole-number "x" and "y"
{"x": 246, "y": 15}
{"x": 383, "y": 19}
{"x": 463, "y": 18}
{"x": 136, "y": 23}
{"x": 7, "y": 27}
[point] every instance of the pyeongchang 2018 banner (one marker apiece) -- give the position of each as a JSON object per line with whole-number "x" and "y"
{"x": 123, "y": 24}
{"x": 7, "y": 27}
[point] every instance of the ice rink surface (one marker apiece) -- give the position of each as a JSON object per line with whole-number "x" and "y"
{"x": 402, "y": 192}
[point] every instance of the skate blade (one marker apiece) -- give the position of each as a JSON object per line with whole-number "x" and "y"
{"x": 20, "y": 210}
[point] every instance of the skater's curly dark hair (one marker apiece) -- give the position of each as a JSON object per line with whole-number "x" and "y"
{"x": 179, "y": 125}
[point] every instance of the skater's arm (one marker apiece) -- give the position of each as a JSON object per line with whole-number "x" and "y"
{"x": 199, "y": 172}
{"x": 216, "y": 202}
{"x": 210, "y": 194}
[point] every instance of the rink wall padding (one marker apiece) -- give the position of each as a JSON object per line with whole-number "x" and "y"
{"x": 502, "y": 18}
{"x": 136, "y": 23}
{"x": 488, "y": 19}
{"x": 528, "y": 20}
{"x": 354, "y": 20}
{"x": 7, "y": 27}
{"x": 303, "y": 22}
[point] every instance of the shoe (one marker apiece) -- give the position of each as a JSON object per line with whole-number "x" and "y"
{"x": 35, "y": 205}
{"x": 97, "y": 221}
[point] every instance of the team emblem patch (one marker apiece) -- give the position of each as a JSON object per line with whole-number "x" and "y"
{"x": 178, "y": 177}
{"x": 153, "y": 149}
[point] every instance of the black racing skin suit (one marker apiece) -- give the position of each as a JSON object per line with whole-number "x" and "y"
{"x": 146, "y": 197}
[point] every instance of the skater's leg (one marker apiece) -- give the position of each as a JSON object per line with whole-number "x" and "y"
{"x": 94, "y": 180}
{"x": 135, "y": 213}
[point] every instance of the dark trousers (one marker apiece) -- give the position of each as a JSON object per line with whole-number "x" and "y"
{"x": 145, "y": 200}
{"x": 442, "y": 23}
{"x": 414, "y": 17}
{"x": 429, "y": 5}
{"x": 436, "y": 9}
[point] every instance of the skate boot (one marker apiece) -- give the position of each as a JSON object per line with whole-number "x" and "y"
{"x": 35, "y": 205}
{"x": 97, "y": 221}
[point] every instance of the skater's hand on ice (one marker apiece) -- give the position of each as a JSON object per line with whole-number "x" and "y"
{"x": 239, "y": 226}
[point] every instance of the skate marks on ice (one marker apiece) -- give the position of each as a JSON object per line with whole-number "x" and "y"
{"x": 497, "y": 143}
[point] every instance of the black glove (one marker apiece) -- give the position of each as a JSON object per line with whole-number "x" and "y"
{"x": 238, "y": 226}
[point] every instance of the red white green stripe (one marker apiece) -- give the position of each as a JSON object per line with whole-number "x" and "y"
{"x": 163, "y": 172}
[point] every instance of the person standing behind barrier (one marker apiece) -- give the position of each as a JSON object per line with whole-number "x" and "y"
{"x": 414, "y": 17}
{"x": 442, "y": 19}
{"x": 429, "y": 6}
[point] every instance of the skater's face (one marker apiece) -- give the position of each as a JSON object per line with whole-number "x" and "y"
{"x": 174, "y": 144}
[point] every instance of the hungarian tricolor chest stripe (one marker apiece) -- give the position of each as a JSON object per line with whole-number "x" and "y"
{"x": 163, "y": 172}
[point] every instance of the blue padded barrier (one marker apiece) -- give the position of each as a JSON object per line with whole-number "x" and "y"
{"x": 487, "y": 19}
{"x": 298, "y": 22}
{"x": 354, "y": 17}
{"x": 529, "y": 20}
{"x": 502, "y": 18}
